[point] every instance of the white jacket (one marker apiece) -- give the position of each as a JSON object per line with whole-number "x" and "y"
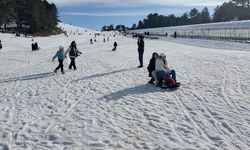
{"x": 161, "y": 66}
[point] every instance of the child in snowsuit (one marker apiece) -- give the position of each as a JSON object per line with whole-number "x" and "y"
{"x": 60, "y": 55}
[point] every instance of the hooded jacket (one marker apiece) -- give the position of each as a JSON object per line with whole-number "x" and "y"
{"x": 160, "y": 65}
{"x": 59, "y": 54}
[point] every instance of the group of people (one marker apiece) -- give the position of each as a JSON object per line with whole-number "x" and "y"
{"x": 161, "y": 75}
{"x": 61, "y": 55}
{"x": 34, "y": 47}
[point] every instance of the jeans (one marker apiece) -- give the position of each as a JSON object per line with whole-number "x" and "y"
{"x": 162, "y": 75}
{"x": 173, "y": 75}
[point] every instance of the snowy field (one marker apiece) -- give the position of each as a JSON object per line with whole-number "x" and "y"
{"x": 107, "y": 104}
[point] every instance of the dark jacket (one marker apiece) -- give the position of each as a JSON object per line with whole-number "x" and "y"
{"x": 140, "y": 44}
{"x": 73, "y": 52}
{"x": 115, "y": 44}
{"x": 151, "y": 66}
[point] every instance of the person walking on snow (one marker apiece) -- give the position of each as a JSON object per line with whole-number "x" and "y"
{"x": 140, "y": 44}
{"x": 115, "y": 45}
{"x": 73, "y": 53}
{"x": 60, "y": 55}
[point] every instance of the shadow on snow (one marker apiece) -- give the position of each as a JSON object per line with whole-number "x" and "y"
{"x": 140, "y": 89}
{"x": 102, "y": 74}
{"x": 28, "y": 77}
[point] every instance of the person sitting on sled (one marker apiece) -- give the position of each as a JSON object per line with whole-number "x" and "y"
{"x": 162, "y": 72}
{"x": 169, "y": 71}
{"x": 151, "y": 67}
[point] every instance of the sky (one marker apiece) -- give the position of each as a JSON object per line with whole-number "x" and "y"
{"x": 94, "y": 14}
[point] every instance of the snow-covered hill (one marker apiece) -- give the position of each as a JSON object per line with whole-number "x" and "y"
{"x": 107, "y": 104}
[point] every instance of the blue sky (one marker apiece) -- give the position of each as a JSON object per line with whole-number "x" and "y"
{"x": 94, "y": 14}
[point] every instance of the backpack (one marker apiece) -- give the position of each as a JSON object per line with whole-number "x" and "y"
{"x": 72, "y": 52}
{"x": 170, "y": 82}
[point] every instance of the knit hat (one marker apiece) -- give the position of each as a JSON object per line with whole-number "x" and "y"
{"x": 61, "y": 47}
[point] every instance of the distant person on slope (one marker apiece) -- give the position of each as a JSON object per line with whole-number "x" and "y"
{"x": 60, "y": 55}
{"x": 115, "y": 45}
{"x": 151, "y": 67}
{"x": 1, "y": 46}
{"x": 73, "y": 53}
{"x": 140, "y": 44}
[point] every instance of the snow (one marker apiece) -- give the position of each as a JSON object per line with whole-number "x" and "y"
{"x": 107, "y": 104}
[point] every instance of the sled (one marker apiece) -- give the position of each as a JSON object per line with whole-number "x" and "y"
{"x": 172, "y": 87}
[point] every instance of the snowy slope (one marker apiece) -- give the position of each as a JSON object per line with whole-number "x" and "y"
{"x": 107, "y": 103}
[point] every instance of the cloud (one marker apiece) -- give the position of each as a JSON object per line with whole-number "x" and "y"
{"x": 105, "y": 14}
{"x": 139, "y": 2}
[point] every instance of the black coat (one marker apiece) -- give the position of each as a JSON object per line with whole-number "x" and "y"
{"x": 140, "y": 44}
{"x": 151, "y": 67}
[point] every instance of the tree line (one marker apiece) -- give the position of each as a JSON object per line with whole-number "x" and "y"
{"x": 111, "y": 28}
{"x": 29, "y": 15}
{"x": 228, "y": 11}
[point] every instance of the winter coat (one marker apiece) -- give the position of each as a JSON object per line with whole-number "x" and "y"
{"x": 115, "y": 44}
{"x": 73, "y": 53}
{"x": 1, "y": 46}
{"x": 151, "y": 66}
{"x": 60, "y": 55}
{"x": 140, "y": 44}
{"x": 160, "y": 65}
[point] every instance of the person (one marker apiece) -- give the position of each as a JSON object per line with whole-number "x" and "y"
{"x": 175, "y": 34}
{"x": 36, "y": 46}
{"x": 115, "y": 45}
{"x": 169, "y": 71}
{"x": 151, "y": 67}
{"x": 140, "y": 44}
{"x": 91, "y": 41}
{"x": 60, "y": 55}
{"x": 1, "y": 46}
{"x": 162, "y": 71}
{"x": 33, "y": 47}
{"x": 73, "y": 53}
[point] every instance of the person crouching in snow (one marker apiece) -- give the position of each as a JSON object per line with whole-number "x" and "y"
{"x": 60, "y": 55}
{"x": 151, "y": 67}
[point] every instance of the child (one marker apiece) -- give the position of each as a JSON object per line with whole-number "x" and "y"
{"x": 60, "y": 55}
